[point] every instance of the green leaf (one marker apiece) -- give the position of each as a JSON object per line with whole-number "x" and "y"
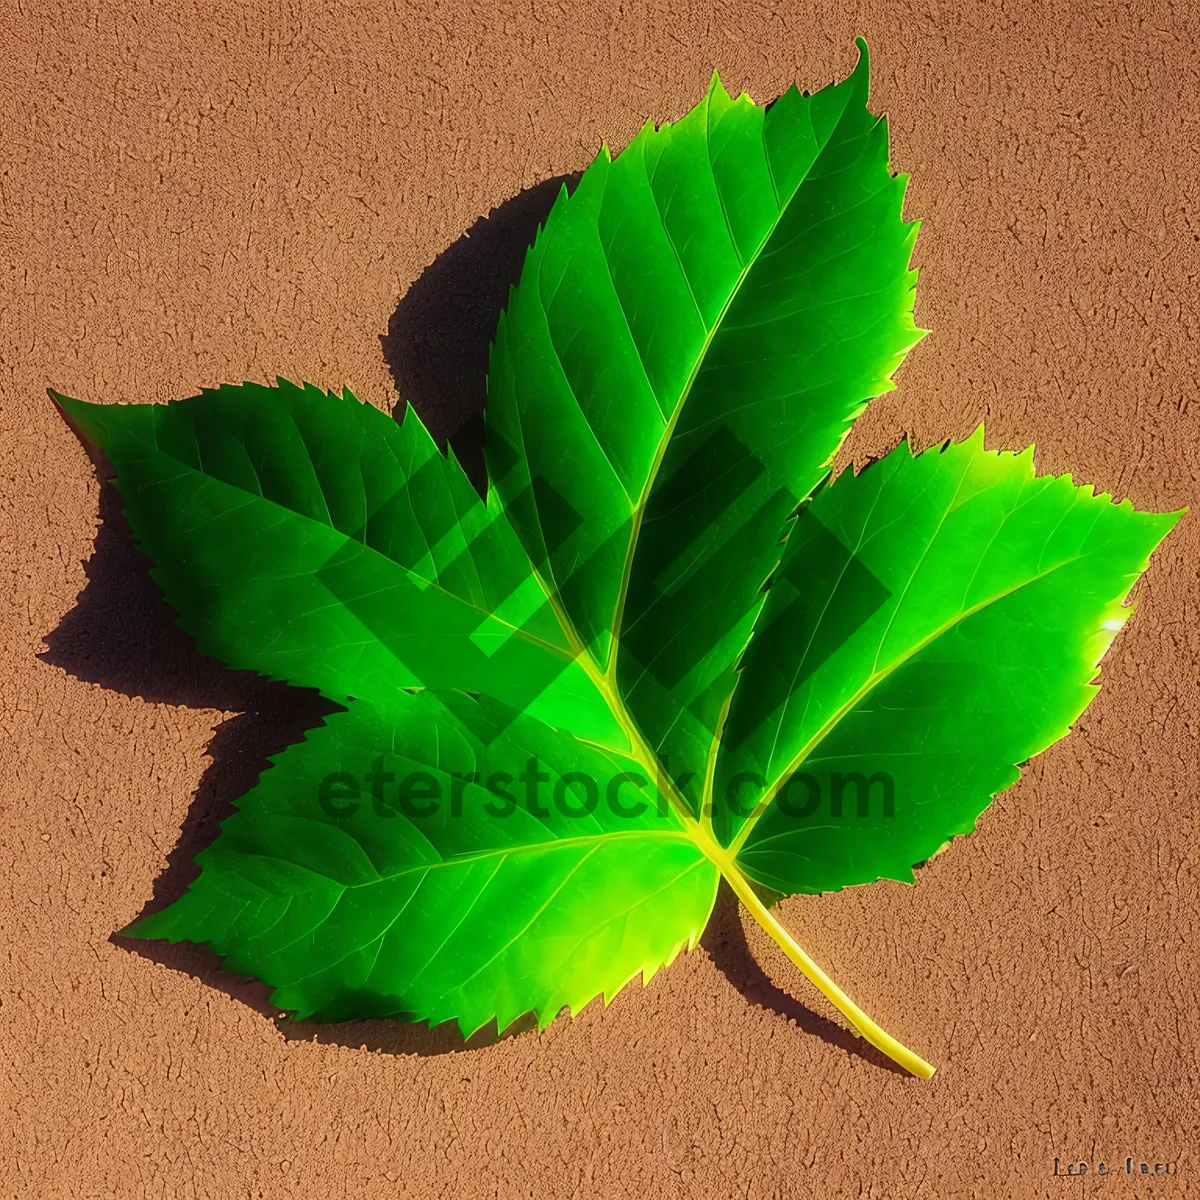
{"x": 315, "y": 540}
{"x": 935, "y": 621}
{"x": 695, "y": 329}
{"x": 574, "y": 707}
{"x": 354, "y": 906}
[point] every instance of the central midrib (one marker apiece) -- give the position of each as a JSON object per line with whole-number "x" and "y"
{"x": 550, "y": 845}
{"x": 669, "y": 430}
{"x": 873, "y": 681}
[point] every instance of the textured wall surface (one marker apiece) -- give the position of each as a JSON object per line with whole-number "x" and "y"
{"x": 192, "y": 194}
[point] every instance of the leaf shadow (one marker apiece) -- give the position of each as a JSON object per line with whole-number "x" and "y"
{"x": 440, "y": 334}
{"x": 724, "y": 939}
{"x": 121, "y": 635}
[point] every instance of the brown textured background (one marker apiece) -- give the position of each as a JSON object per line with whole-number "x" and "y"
{"x": 192, "y": 194}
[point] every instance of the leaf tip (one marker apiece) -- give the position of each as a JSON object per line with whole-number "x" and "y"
{"x": 86, "y": 420}
{"x": 66, "y": 405}
{"x": 864, "y": 56}
{"x": 717, "y": 89}
{"x": 142, "y": 928}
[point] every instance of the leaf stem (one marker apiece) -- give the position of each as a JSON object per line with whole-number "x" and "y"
{"x": 724, "y": 860}
{"x": 863, "y": 1025}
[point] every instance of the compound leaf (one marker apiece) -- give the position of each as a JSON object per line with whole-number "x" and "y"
{"x": 661, "y": 624}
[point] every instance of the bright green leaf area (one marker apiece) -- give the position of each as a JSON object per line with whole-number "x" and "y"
{"x": 1000, "y": 592}
{"x": 694, "y": 331}
{"x": 463, "y": 914}
{"x": 667, "y": 648}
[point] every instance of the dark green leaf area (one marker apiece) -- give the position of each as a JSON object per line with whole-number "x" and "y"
{"x": 694, "y": 331}
{"x": 314, "y": 539}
